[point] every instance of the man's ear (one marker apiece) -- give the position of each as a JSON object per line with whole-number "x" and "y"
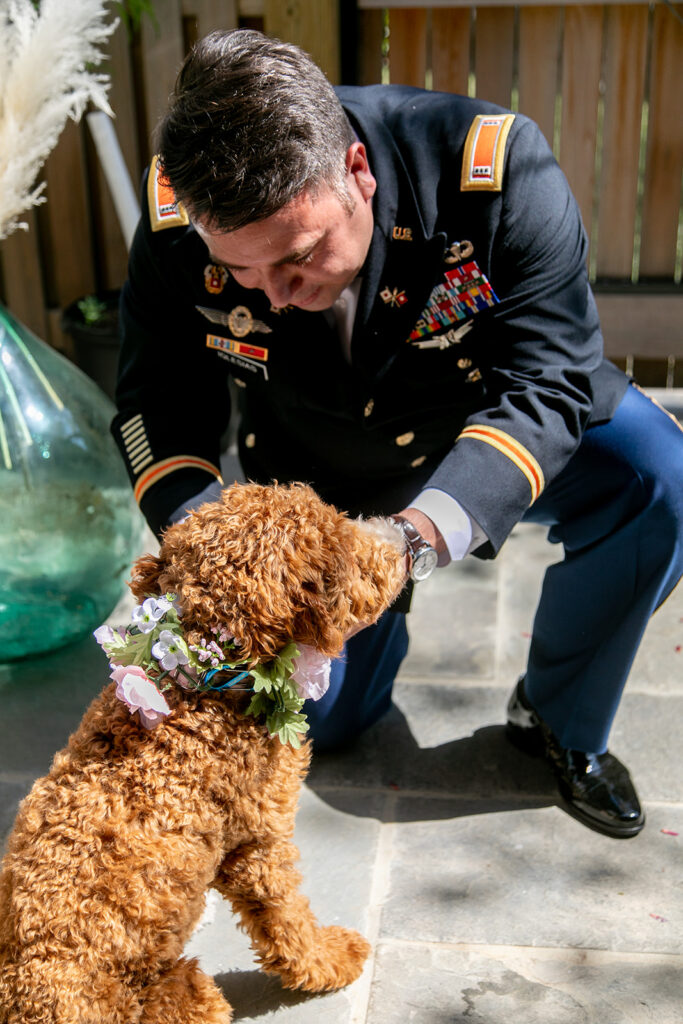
{"x": 358, "y": 166}
{"x": 145, "y": 579}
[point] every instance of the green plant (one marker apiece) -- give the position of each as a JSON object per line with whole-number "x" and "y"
{"x": 133, "y": 11}
{"x": 92, "y": 309}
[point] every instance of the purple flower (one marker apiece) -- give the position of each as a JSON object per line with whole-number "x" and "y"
{"x": 146, "y": 615}
{"x": 170, "y": 651}
{"x": 104, "y": 635}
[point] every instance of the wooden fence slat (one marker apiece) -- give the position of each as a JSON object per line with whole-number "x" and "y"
{"x": 408, "y": 46}
{"x": 664, "y": 149}
{"x": 311, "y": 24}
{"x": 625, "y": 51}
{"x": 539, "y": 43}
{"x": 22, "y": 276}
{"x": 641, "y": 324}
{"x": 162, "y": 50}
{"x": 580, "y": 91}
{"x": 494, "y": 54}
{"x": 370, "y": 37}
{"x": 65, "y": 222}
{"x": 451, "y": 50}
{"x": 210, "y": 15}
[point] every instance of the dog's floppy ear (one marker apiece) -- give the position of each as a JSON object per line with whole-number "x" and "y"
{"x": 145, "y": 579}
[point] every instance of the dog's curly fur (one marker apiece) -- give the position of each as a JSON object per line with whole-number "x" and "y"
{"x": 107, "y": 868}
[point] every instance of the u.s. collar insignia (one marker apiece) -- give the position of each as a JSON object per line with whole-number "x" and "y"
{"x": 458, "y": 251}
{"x": 240, "y": 321}
{"x": 393, "y": 298}
{"x": 402, "y": 234}
{"x": 280, "y": 309}
{"x": 215, "y": 278}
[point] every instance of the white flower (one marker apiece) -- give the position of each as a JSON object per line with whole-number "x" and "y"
{"x": 311, "y": 672}
{"x": 170, "y": 651}
{"x": 146, "y": 615}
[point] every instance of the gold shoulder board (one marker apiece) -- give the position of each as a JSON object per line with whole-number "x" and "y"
{"x": 482, "y": 165}
{"x": 164, "y": 211}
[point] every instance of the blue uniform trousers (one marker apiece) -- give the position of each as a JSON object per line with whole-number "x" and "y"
{"x": 617, "y": 508}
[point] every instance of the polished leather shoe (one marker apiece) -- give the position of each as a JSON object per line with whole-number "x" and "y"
{"x": 596, "y": 788}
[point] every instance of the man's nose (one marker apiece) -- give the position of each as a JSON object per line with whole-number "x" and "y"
{"x": 280, "y": 284}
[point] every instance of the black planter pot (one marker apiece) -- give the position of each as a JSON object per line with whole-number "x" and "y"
{"x": 96, "y": 345}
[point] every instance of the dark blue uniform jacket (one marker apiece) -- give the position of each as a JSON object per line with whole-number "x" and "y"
{"x": 446, "y": 387}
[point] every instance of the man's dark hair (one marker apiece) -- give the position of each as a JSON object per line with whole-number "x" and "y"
{"x": 252, "y": 123}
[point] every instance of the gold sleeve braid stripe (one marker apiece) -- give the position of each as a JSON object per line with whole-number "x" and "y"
{"x": 161, "y": 469}
{"x": 134, "y": 438}
{"x": 514, "y": 451}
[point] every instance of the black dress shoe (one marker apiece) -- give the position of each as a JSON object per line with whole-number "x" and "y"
{"x": 596, "y": 788}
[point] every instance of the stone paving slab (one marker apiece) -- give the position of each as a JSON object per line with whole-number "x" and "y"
{"x": 533, "y": 878}
{"x": 450, "y": 739}
{"x": 338, "y": 854}
{"x": 499, "y": 984}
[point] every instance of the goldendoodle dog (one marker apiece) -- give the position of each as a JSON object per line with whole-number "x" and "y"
{"x": 185, "y": 772}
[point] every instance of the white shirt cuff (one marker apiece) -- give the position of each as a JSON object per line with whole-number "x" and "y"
{"x": 460, "y": 531}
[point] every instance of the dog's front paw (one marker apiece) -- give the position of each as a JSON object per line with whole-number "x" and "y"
{"x": 336, "y": 961}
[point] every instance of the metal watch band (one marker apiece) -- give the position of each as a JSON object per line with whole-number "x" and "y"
{"x": 423, "y": 557}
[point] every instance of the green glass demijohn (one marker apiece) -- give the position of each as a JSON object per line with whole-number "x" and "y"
{"x": 69, "y": 527}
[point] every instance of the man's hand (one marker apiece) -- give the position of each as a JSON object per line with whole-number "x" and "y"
{"x": 426, "y": 528}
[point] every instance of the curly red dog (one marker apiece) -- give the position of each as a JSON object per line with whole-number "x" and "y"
{"x": 113, "y": 851}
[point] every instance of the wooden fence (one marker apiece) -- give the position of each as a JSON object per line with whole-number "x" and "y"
{"x": 604, "y": 82}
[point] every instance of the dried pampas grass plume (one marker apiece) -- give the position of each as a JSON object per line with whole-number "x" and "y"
{"x": 46, "y": 76}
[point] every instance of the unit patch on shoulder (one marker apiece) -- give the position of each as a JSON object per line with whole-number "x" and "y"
{"x": 482, "y": 164}
{"x": 164, "y": 211}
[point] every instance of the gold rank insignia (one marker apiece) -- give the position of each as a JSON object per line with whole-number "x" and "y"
{"x": 402, "y": 234}
{"x": 215, "y": 278}
{"x": 393, "y": 298}
{"x": 484, "y": 156}
{"x": 164, "y": 211}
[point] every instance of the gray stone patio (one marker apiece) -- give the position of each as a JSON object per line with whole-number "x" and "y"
{"x": 484, "y": 901}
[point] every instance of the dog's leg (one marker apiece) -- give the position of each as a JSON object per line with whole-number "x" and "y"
{"x": 262, "y": 884}
{"x": 54, "y": 990}
{"x": 184, "y": 995}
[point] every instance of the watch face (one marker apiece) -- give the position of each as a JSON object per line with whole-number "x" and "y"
{"x": 424, "y": 564}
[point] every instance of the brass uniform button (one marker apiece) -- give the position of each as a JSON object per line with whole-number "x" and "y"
{"x": 464, "y": 364}
{"x": 367, "y": 411}
{"x": 250, "y": 440}
{"x": 418, "y": 461}
{"x": 403, "y": 439}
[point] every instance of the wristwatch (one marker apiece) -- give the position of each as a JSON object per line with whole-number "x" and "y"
{"x": 423, "y": 557}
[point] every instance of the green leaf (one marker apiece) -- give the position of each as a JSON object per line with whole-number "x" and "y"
{"x": 287, "y": 726}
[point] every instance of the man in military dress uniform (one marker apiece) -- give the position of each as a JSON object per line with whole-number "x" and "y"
{"x": 395, "y": 280}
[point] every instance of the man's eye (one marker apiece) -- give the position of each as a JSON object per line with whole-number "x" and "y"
{"x": 303, "y": 260}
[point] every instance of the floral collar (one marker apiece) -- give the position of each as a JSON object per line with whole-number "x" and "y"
{"x": 151, "y": 654}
